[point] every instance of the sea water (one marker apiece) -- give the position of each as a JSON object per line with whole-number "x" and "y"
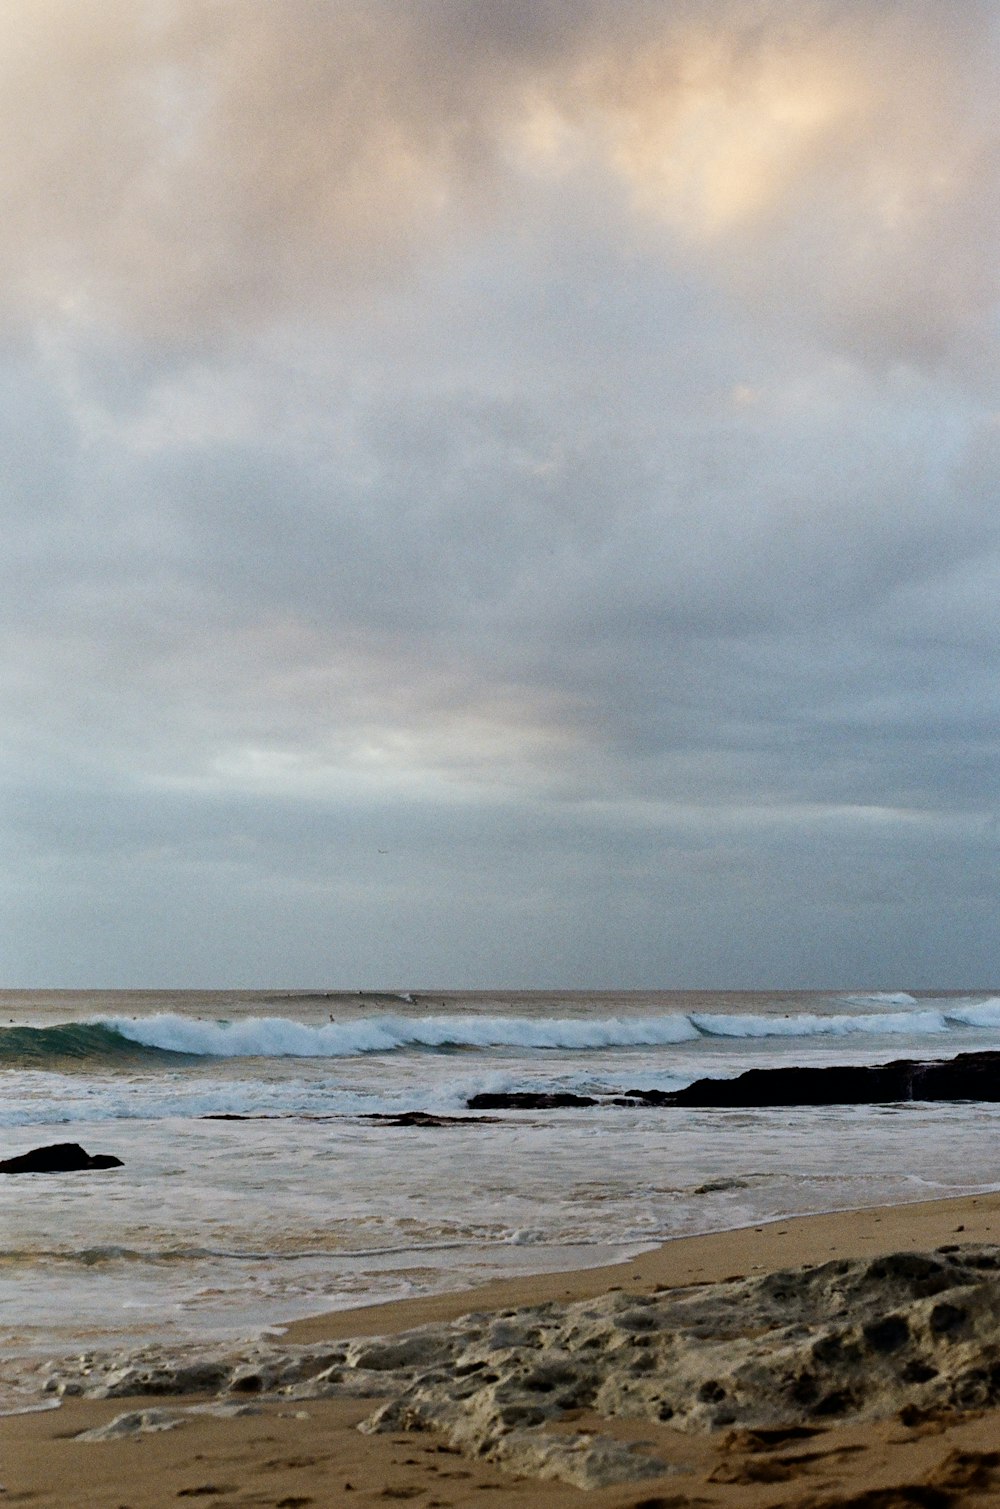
{"x": 258, "y": 1184}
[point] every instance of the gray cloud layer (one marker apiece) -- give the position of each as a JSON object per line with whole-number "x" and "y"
{"x": 556, "y": 444}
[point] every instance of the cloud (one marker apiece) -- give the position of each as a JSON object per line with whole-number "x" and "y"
{"x": 553, "y": 442}
{"x": 466, "y": 592}
{"x": 190, "y": 168}
{"x": 834, "y": 160}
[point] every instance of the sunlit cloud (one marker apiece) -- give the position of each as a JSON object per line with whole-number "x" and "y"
{"x": 184, "y": 168}
{"x": 721, "y": 140}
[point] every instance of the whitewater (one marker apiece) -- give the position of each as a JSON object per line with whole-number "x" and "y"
{"x": 261, "y": 1181}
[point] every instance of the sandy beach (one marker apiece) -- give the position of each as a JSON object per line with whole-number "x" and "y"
{"x": 294, "y": 1450}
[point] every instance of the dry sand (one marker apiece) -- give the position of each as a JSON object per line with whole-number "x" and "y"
{"x": 888, "y": 1450}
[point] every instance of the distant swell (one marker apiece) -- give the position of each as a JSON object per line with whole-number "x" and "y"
{"x": 120, "y": 1039}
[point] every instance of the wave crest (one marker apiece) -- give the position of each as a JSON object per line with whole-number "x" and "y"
{"x": 274, "y": 1037}
{"x": 119, "y": 1040}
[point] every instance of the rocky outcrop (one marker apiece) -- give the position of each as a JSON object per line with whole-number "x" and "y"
{"x": 916, "y": 1334}
{"x": 846, "y": 1340}
{"x": 969, "y": 1076}
{"x": 57, "y": 1158}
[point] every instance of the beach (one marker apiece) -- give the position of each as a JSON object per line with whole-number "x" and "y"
{"x": 270, "y": 1170}
{"x": 499, "y": 807}
{"x": 282, "y": 1175}
{"x": 289, "y": 1451}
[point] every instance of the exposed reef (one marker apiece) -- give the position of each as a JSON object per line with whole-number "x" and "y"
{"x": 968, "y": 1076}
{"x": 849, "y": 1340}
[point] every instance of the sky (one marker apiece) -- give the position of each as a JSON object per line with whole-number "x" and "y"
{"x": 500, "y": 494}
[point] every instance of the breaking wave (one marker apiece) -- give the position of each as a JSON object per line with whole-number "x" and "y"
{"x": 120, "y": 1040}
{"x": 276, "y": 1037}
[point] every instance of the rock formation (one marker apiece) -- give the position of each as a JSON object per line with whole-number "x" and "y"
{"x": 57, "y": 1158}
{"x": 968, "y": 1076}
{"x": 863, "y": 1339}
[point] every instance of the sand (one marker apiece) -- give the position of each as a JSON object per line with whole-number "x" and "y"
{"x": 685, "y": 1377}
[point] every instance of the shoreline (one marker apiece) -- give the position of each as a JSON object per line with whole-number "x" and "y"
{"x": 698, "y": 1257}
{"x": 310, "y": 1452}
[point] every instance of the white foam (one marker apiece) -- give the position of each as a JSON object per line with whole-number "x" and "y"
{"x": 882, "y": 998}
{"x": 976, "y": 1014}
{"x": 278, "y": 1037}
{"x": 804, "y": 1024}
{"x": 274, "y": 1037}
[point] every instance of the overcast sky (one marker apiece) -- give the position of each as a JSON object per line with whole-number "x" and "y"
{"x": 500, "y": 492}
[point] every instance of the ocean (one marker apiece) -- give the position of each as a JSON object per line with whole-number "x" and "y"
{"x": 297, "y": 1201}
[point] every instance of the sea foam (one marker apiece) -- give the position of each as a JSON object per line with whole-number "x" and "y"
{"x": 270, "y": 1037}
{"x": 118, "y": 1041}
{"x": 276, "y": 1037}
{"x": 806, "y": 1024}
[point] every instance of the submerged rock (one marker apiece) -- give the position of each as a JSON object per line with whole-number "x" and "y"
{"x": 424, "y": 1119}
{"x": 557, "y": 1100}
{"x": 57, "y": 1158}
{"x": 528, "y": 1100}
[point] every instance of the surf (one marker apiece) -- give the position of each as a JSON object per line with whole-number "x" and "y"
{"x": 165, "y": 1037}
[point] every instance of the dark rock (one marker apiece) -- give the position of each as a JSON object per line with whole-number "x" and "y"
{"x": 385, "y": 1118}
{"x": 425, "y": 1119}
{"x": 261, "y": 1116}
{"x": 528, "y": 1100}
{"x": 969, "y": 1076}
{"x": 57, "y": 1158}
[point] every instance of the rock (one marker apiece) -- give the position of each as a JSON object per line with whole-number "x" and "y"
{"x": 142, "y": 1421}
{"x": 969, "y": 1076}
{"x": 846, "y": 1340}
{"x": 137, "y": 1423}
{"x": 193, "y": 1378}
{"x": 584, "y": 1461}
{"x": 57, "y": 1158}
{"x": 419, "y": 1349}
{"x": 908, "y": 1334}
{"x": 425, "y": 1119}
{"x": 527, "y": 1100}
{"x": 256, "y": 1369}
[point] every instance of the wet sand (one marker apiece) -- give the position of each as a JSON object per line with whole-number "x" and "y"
{"x": 307, "y": 1451}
